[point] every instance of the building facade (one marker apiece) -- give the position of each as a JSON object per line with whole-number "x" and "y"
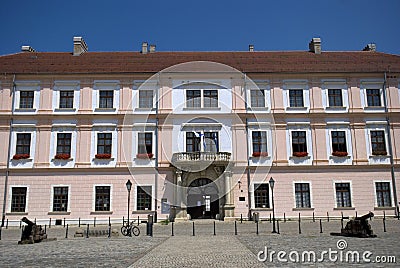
{"x": 198, "y": 133}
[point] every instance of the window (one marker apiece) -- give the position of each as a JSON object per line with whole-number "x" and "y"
{"x": 23, "y": 143}
{"x": 339, "y": 141}
{"x": 104, "y": 143}
{"x": 18, "y": 199}
{"x": 261, "y": 195}
{"x": 145, "y": 143}
{"x": 102, "y": 202}
{"x": 106, "y": 99}
{"x": 211, "y": 142}
{"x": 343, "y": 195}
{"x": 66, "y": 99}
{"x": 143, "y": 198}
{"x": 145, "y": 98}
{"x": 60, "y": 199}
{"x": 193, "y": 98}
{"x": 299, "y": 143}
{"x": 210, "y": 98}
{"x": 383, "y": 194}
{"x": 26, "y": 99}
{"x": 257, "y": 98}
{"x": 378, "y": 142}
{"x": 302, "y": 193}
{"x": 259, "y": 140}
{"x": 335, "y": 97}
{"x": 64, "y": 143}
{"x": 192, "y": 142}
{"x": 373, "y": 97}
{"x": 296, "y": 98}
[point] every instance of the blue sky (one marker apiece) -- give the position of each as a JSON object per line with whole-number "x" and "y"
{"x": 207, "y": 25}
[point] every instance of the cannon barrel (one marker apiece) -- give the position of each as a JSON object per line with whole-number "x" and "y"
{"x": 25, "y": 219}
{"x": 366, "y": 216}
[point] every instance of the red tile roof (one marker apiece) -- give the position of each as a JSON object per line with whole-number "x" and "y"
{"x": 249, "y": 62}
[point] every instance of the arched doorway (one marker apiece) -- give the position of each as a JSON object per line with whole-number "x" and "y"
{"x": 203, "y": 199}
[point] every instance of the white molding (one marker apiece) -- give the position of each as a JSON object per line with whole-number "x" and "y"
{"x": 135, "y": 195}
{"x": 390, "y": 192}
{"x": 52, "y": 197}
{"x": 26, "y": 198}
{"x": 352, "y": 205}
{"x": 294, "y": 192}
{"x": 94, "y": 196}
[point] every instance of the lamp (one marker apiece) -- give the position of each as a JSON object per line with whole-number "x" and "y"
{"x": 272, "y": 184}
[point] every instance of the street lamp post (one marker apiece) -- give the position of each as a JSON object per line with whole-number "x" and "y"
{"x": 129, "y": 187}
{"x": 272, "y": 184}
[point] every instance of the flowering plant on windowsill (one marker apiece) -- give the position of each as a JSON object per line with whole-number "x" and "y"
{"x": 20, "y": 156}
{"x": 260, "y": 154}
{"x": 144, "y": 156}
{"x": 300, "y": 154}
{"x": 62, "y": 156}
{"x": 379, "y": 153}
{"x": 102, "y": 156}
{"x": 339, "y": 154}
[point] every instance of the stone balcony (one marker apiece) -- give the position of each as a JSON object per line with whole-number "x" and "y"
{"x": 201, "y": 157}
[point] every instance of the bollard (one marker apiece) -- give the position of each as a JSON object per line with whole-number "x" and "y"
{"x": 270, "y": 219}
{"x": 109, "y": 220}
{"x": 87, "y": 231}
{"x": 94, "y": 222}
{"x": 356, "y": 215}
{"x": 79, "y": 222}
{"x": 214, "y": 229}
{"x": 123, "y": 220}
{"x": 35, "y": 221}
{"x": 241, "y": 218}
{"x": 66, "y": 232}
{"x": 172, "y": 229}
{"x": 7, "y": 224}
{"x": 49, "y": 223}
{"x": 327, "y": 215}
{"x": 138, "y": 220}
{"x": 20, "y": 224}
{"x": 277, "y": 225}
{"x": 284, "y": 217}
{"x": 384, "y": 215}
{"x": 45, "y": 231}
{"x": 235, "y": 228}
{"x": 320, "y": 226}
{"x": 299, "y": 224}
{"x": 341, "y": 214}
{"x": 341, "y": 222}
{"x": 384, "y": 225}
{"x": 1, "y": 228}
{"x": 193, "y": 230}
{"x": 257, "y": 228}
{"x": 313, "y": 217}
{"x": 64, "y": 222}
{"x": 398, "y": 213}
{"x": 109, "y": 230}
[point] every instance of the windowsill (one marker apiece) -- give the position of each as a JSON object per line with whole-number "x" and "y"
{"x": 379, "y": 156}
{"x": 104, "y": 110}
{"x": 373, "y": 107}
{"x": 103, "y": 159}
{"x": 268, "y": 157}
{"x": 344, "y": 208}
{"x": 25, "y": 110}
{"x": 138, "y": 158}
{"x": 296, "y": 108}
{"x": 65, "y": 110}
{"x": 22, "y": 160}
{"x": 59, "y": 213}
{"x": 299, "y": 157}
{"x": 17, "y": 213}
{"x": 201, "y": 109}
{"x": 384, "y": 208}
{"x": 336, "y": 107}
{"x": 62, "y": 160}
{"x": 257, "y": 108}
{"x": 261, "y": 209}
{"x": 302, "y": 209}
{"x": 145, "y": 109}
{"x": 339, "y": 157}
{"x": 101, "y": 212}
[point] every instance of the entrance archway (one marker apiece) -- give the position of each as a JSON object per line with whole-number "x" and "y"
{"x": 203, "y": 199}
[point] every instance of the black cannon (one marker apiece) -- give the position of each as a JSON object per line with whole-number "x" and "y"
{"x": 359, "y": 227}
{"x": 32, "y": 233}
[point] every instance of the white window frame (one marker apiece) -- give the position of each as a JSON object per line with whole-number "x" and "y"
{"x": 10, "y": 198}
{"x": 66, "y": 86}
{"x": 52, "y": 199}
{"x": 202, "y": 99}
{"x": 263, "y": 86}
{"x": 335, "y": 84}
{"x": 351, "y": 193}
{"x": 63, "y": 128}
{"x": 100, "y": 85}
{"x": 296, "y": 84}
{"x": 299, "y": 126}
{"x": 376, "y": 126}
{"x": 339, "y": 126}
{"x": 27, "y": 86}
{"x": 391, "y": 194}
{"x": 23, "y": 128}
{"x": 371, "y": 84}
{"x": 136, "y": 196}
{"x": 94, "y": 198}
{"x": 253, "y": 197}
{"x": 104, "y": 128}
{"x": 258, "y": 126}
{"x": 294, "y": 195}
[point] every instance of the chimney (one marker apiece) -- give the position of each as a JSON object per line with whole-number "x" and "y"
{"x": 370, "y": 47}
{"x": 144, "y": 47}
{"x": 251, "y": 48}
{"x": 315, "y": 45}
{"x": 152, "y": 48}
{"x": 80, "y": 46}
{"x": 27, "y": 49}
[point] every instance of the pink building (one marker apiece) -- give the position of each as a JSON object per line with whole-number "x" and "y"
{"x": 198, "y": 133}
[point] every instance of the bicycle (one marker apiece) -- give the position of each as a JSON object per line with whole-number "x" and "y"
{"x": 128, "y": 230}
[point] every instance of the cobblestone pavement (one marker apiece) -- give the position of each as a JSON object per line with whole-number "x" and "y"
{"x": 225, "y": 249}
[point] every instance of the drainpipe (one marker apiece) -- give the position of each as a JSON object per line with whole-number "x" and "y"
{"x": 247, "y": 151}
{"x": 390, "y": 151}
{"x": 156, "y": 151}
{"x": 8, "y": 153}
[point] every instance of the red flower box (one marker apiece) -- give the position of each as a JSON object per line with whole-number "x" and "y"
{"x": 339, "y": 154}
{"x": 102, "y": 156}
{"x": 379, "y": 153}
{"x": 300, "y": 154}
{"x": 260, "y": 154}
{"x": 144, "y": 156}
{"x": 21, "y": 156}
{"x": 62, "y": 156}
